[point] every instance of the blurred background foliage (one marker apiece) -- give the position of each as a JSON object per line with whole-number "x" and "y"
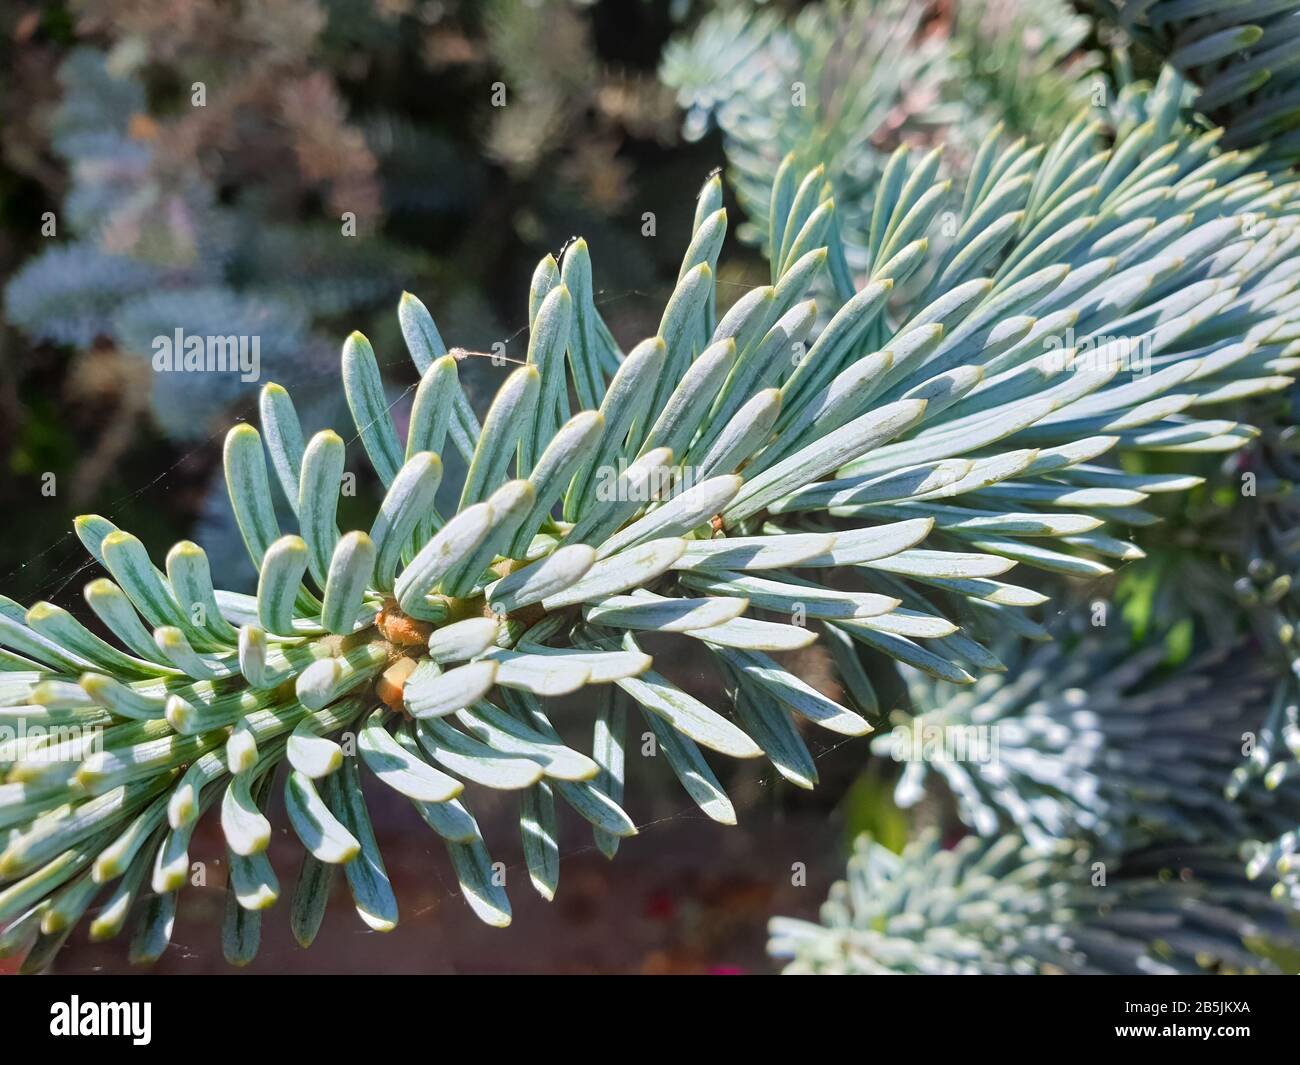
{"x": 286, "y": 168}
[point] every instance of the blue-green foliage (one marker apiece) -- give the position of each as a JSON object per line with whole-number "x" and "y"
{"x": 1241, "y": 55}
{"x": 1090, "y": 739}
{"x": 997, "y": 908}
{"x": 841, "y": 84}
{"x": 145, "y": 248}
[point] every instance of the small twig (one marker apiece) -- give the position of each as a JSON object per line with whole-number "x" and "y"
{"x": 460, "y": 354}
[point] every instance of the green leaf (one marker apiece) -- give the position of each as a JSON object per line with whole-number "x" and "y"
{"x": 689, "y": 766}
{"x": 475, "y": 761}
{"x": 791, "y": 596}
{"x": 350, "y": 571}
{"x": 829, "y": 453}
{"x": 278, "y": 583}
{"x": 748, "y": 634}
{"x": 772, "y": 728}
{"x": 423, "y": 341}
{"x": 655, "y": 613}
{"x": 461, "y": 535}
{"x": 45, "y": 839}
{"x": 241, "y": 927}
{"x": 551, "y": 575}
{"x": 607, "y": 749}
{"x": 826, "y": 357}
{"x": 604, "y": 667}
{"x": 503, "y": 732}
{"x": 746, "y": 433}
{"x": 755, "y": 552}
{"x": 325, "y": 680}
{"x": 596, "y": 807}
{"x": 478, "y": 882}
{"x": 537, "y": 674}
{"x": 626, "y": 400}
{"x": 433, "y": 408}
{"x": 623, "y": 490}
{"x": 681, "y": 514}
{"x": 584, "y": 342}
{"x": 689, "y": 403}
{"x": 510, "y": 505}
{"x": 547, "y": 341}
{"x": 401, "y": 770}
{"x": 153, "y": 931}
{"x": 462, "y": 640}
{"x": 324, "y": 836}
{"x": 191, "y": 582}
{"x": 67, "y": 905}
{"x": 540, "y": 831}
{"x": 858, "y": 546}
{"x": 628, "y": 569}
{"x": 116, "y": 907}
{"x": 128, "y": 562}
{"x": 569, "y": 447}
{"x": 679, "y": 328}
{"x": 176, "y": 649}
{"x": 371, "y": 891}
{"x": 118, "y": 856}
{"x": 409, "y": 500}
{"x": 20, "y": 896}
{"x": 310, "y": 899}
{"x": 689, "y": 716}
{"x": 310, "y": 753}
{"x": 791, "y": 692}
{"x": 249, "y": 492}
{"x": 283, "y": 438}
{"x": 252, "y": 881}
{"x": 245, "y": 827}
{"x": 318, "y": 499}
{"x": 62, "y": 629}
{"x": 507, "y": 421}
{"x": 364, "y": 389}
{"x": 113, "y": 608}
{"x": 431, "y": 693}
